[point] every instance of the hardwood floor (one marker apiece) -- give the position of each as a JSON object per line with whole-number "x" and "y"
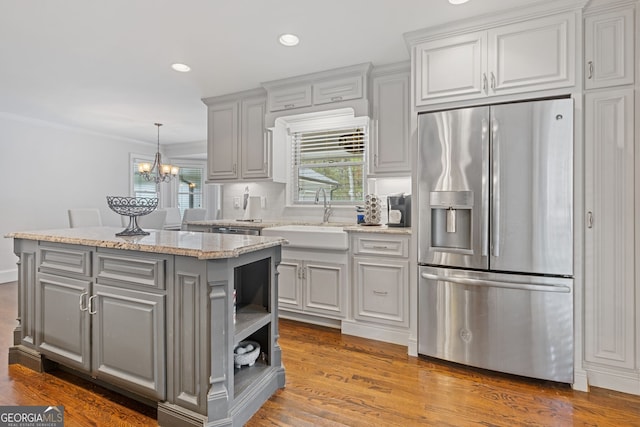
{"x": 338, "y": 380}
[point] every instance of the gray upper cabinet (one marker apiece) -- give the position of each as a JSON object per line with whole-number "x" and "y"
{"x": 339, "y": 89}
{"x": 222, "y": 141}
{"x": 288, "y": 97}
{"x": 389, "y": 152}
{"x": 609, "y": 49}
{"x": 315, "y": 92}
{"x": 237, "y": 141}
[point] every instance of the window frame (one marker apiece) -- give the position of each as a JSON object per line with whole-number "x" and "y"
{"x": 315, "y": 124}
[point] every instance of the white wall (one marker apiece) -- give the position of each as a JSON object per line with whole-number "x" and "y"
{"x": 47, "y": 169}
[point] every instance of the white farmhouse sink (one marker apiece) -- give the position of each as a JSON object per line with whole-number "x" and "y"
{"x": 310, "y": 236}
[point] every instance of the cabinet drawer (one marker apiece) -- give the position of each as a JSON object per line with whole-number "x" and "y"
{"x": 285, "y": 98}
{"x": 337, "y": 90}
{"x": 126, "y": 269}
{"x": 63, "y": 259}
{"x": 382, "y": 245}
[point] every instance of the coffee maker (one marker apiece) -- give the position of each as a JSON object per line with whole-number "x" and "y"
{"x": 399, "y": 210}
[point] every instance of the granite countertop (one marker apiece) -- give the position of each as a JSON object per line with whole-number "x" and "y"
{"x": 183, "y": 243}
{"x": 346, "y": 226}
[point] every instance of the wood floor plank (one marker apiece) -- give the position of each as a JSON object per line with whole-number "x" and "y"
{"x": 336, "y": 380}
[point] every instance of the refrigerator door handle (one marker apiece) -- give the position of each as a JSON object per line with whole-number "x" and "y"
{"x": 484, "y": 213}
{"x": 496, "y": 283}
{"x": 495, "y": 226}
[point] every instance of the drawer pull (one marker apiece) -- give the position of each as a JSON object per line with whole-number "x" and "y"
{"x": 380, "y": 247}
{"x": 381, "y": 293}
{"x": 336, "y": 98}
{"x": 289, "y": 106}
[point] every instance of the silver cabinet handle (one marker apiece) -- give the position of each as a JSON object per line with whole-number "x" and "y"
{"x": 381, "y": 293}
{"x": 81, "y": 302}
{"x": 590, "y": 70}
{"x": 91, "y": 309}
{"x": 336, "y": 98}
{"x": 589, "y": 219}
{"x": 287, "y": 106}
{"x": 380, "y": 247}
{"x": 493, "y": 81}
{"x": 235, "y": 167}
{"x": 484, "y": 82}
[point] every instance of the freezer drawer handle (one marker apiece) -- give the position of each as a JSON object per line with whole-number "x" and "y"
{"x": 496, "y": 283}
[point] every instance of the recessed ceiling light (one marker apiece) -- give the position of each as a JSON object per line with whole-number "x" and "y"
{"x": 289, "y": 40}
{"x": 183, "y": 68}
{"x": 458, "y": 1}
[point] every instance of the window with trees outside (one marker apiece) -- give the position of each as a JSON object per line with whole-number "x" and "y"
{"x": 190, "y": 184}
{"x": 187, "y": 187}
{"x": 331, "y": 159}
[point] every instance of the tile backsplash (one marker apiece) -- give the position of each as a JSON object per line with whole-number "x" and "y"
{"x": 274, "y": 196}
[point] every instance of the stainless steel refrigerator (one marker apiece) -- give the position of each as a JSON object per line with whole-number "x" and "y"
{"x": 495, "y": 227}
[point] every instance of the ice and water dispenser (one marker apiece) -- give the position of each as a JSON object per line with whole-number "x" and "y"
{"x": 451, "y": 220}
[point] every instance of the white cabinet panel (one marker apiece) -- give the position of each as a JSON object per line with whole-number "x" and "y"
{"x": 609, "y": 237}
{"x": 254, "y": 146}
{"x": 336, "y": 90}
{"x": 324, "y": 288}
{"x": 381, "y": 290}
{"x": 288, "y": 97}
{"x": 390, "y": 152}
{"x": 314, "y": 287}
{"x": 450, "y": 69}
{"x": 290, "y": 284}
{"x": 609, "y": 49}
{"x": 533, "y": 54}
{"x": 529, "y": 55}
{"x": 237, "y": 143}
{"x": 222, "y": 141}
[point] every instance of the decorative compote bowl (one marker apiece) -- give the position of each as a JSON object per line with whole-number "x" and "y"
{"x": 133, "y": 207}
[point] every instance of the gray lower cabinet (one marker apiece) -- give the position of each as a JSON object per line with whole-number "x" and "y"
{"x": 161, "y": 327}
{"x": 113, "y": 333}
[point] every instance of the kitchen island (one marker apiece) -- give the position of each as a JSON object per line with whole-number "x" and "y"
{"x": 155, "y": 317}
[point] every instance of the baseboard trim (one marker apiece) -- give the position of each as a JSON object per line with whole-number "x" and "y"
{"x": 7, "y": 276}
{"x": 376, "y": 332}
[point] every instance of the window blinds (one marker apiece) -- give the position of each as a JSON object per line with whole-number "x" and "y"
{"x": 333, "y": 159}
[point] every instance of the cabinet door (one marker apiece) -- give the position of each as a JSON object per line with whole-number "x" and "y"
{"x": 381, "y": 290}
{"x": 290, "y": 284}
{"x": 451, "y": 69}
{"x": 609, "y": 49}
{"x": 390, "y": 142}
{"x": 288, "y": 97}
{"x": 129, "y": 339}
{"x": 609, "y": 238}
{"x": 63, "y": 321}
{"x": 254, "y": 149}
{"x": 532, "y": 55}
{"x": 222, "y": 141}
{"x": 325, "y": 288}
{"x": 337, "y": 90}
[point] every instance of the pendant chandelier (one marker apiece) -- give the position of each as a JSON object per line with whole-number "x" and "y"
{"x": 157, "y": 172}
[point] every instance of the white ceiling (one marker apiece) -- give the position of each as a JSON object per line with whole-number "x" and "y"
{"x": 104, "y": 66}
